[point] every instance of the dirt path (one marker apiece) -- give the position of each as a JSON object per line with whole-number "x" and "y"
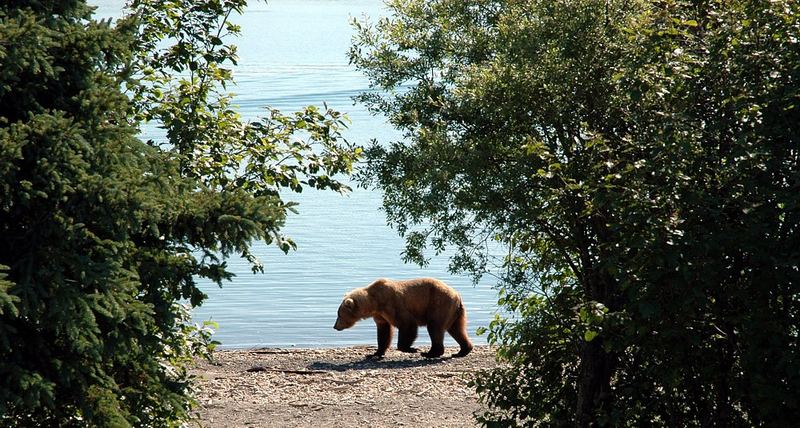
{"x": 338, "y": 388}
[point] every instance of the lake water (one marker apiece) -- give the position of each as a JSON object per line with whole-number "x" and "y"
{"x": 292, "y": 53}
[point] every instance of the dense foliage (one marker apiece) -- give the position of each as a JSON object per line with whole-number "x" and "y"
{"x": 640, "y": 164}
{"x": 103, "y": 235}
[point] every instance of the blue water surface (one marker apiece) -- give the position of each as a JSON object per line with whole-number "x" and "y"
{"x": 292, "y": 53}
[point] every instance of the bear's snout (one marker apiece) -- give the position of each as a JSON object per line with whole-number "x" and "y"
{"x": 342, "y": 324}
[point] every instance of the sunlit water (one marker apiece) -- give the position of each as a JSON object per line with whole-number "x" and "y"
{"x": 292, "y": 53}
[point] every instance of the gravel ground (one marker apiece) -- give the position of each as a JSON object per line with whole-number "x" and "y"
{"x": 338, "y": 388}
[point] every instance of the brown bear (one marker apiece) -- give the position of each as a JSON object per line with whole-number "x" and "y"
{"x": 407, "y": 305}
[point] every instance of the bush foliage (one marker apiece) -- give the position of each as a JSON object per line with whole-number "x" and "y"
{"x": 640, "y": 163}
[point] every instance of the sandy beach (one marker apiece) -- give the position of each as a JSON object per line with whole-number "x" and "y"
{"x": 337, "y": 387}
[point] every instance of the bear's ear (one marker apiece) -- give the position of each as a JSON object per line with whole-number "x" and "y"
{"x": 349, "y": 303}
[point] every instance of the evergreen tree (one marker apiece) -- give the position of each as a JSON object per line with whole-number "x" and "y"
{"x": 103, "y": 234}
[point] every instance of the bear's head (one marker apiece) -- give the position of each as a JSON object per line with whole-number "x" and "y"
{"x": 352, "y": 309}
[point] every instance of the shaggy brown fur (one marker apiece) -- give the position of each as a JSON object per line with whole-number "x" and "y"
{"x": 408, "y": 305}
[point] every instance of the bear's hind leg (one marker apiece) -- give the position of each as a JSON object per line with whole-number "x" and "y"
{"x": 405, "y": 338}
{"x": 437, "y": 341}
{"x": 459, "y": 332}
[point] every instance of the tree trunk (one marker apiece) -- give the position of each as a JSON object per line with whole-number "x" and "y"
{"x": 596, "y": 365}
{"x": 594, "y": 382}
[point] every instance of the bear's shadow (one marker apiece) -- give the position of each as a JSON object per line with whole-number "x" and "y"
{"x": 368, "y": 363}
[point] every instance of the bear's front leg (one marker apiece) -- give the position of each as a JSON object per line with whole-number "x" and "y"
{"x": 384, "y": 337}
{"x": 406, "y": 337}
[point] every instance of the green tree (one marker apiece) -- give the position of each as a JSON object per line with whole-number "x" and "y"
{"x": 104, "y": 235}
{"x": 639, "y": 164}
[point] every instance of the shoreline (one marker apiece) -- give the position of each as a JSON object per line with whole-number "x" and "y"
{"x": 422, "y": 344}
{"x": 337, "y": 387}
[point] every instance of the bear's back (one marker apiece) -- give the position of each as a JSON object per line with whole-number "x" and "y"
{"x": 421, "y": 297}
